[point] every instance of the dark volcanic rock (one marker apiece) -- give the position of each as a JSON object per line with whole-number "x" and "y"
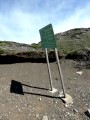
{"x": 34, "y": 56}
{"x": 82, "y": 54}
{"x": 12, "y": 52}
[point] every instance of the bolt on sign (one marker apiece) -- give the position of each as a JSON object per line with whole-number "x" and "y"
{"x": 47, "y": 37}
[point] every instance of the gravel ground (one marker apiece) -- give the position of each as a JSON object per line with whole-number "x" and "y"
{"x": 36, "y": 101}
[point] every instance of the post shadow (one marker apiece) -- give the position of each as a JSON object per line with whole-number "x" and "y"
{"x": 35, "y": 87}
{"x": 87, "y": 113}
{"x": 17, "y": 88}
{"x": 12, "y": 59}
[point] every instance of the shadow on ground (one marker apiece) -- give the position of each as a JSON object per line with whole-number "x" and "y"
{"x": 10, "y": 59}
{"x": 17, "y": 88}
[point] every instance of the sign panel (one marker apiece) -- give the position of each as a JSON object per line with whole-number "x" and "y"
{"x": 47, "y": 37}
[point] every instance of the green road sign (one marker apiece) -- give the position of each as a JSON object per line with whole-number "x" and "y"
{"x": 47, "y": 37}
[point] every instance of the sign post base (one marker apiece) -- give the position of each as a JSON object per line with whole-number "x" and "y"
{"x": 54, "y": 90}
{"x": 68, "y": 99}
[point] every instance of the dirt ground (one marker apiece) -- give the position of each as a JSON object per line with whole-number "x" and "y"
{"x": 28, "y": 97}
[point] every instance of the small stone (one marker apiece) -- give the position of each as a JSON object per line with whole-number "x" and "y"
{"x": 40, "y": 99}
{"x": 65, "y": 115}
{"x": 79, "y": 72}
{"x": 68, "y": 113}
{"x": 19, "y": 110}
{"x": 37, "y": 115}
{"x": 75, "y": 110}
{"x": 88, "y": 112}
{"x": 9, "y": 112}
{"x": 66, "y": 105}
{"x": 45, "y": 118}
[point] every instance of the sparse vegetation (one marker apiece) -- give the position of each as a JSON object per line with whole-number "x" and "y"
{"x": 73, "y": 40}
{"x": 2, "y": 51}
{"x": 36, "y": 46}
{"x": 4, "y": 43}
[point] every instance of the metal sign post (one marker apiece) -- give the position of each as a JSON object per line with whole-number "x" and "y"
{"x": 49, "y": 71}
{"x": 48, "y": 41}
{"x": 60, "y": 72}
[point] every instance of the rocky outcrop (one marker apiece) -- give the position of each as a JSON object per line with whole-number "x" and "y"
{"x": 33, "y": 56}
{"x": 81, "y": 54}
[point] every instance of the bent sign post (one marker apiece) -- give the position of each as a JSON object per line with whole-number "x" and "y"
{"x": 48, "y": 42}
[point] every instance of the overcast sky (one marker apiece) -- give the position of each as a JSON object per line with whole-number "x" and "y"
{"x": 20, "y": 20}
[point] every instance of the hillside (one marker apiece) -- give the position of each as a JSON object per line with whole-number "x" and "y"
{"x": 13, "y": 47}
{"x": 73, "y": 44}
{"x": 73, "y": 40}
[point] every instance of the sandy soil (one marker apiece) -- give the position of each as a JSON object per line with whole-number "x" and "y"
{"x": 37, "y": 101}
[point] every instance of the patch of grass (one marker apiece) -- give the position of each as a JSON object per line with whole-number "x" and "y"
{"x": 35, "y": 46}
{"x": 66, "y": 44}
{"x": 2, "y": 51}
{"x": 4, "y": 43}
